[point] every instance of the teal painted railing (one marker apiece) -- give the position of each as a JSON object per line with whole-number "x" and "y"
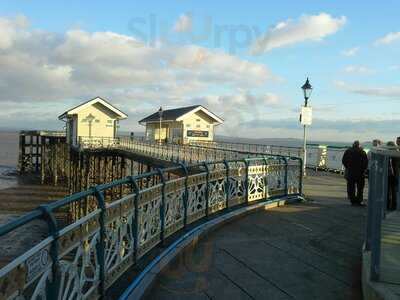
{"x": 83, "y": 259}
{"x": 381, "y": 161}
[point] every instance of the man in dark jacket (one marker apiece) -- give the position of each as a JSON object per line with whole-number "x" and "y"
{"x": 356, "y": 163}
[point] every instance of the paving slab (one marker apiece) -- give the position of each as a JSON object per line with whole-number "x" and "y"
{"x": 310, "y": 250}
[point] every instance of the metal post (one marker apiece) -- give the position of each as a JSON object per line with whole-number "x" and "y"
{"x": 136, "y": 190}
{"x": 371, "y": 198}
{"x": 102, "y": 241}
{"x": 227, "y": 183}
{"x": 207, "y": 186}
{"x": 159, "y": 134}
{"x": 305, "y": 150}
{"x": 53, "y": 287}
{"x": 162, "y": 206}
{"x": 186, "y": 196}
{"x": 246, "y": 181}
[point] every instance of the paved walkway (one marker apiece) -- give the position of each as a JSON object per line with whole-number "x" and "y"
{"x": 302, "y": 251}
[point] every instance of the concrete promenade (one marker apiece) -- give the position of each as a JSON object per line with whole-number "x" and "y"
{"x": 308, "y": 250}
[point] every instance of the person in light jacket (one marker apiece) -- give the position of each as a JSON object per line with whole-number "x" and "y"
{"x": 355, "y": 161}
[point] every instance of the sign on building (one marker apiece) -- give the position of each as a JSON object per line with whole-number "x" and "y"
{"x": 197, "y": 133}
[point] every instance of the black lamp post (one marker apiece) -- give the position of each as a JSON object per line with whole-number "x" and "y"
{"x": 160, "y": 113}
{"x": 307, "y": 90}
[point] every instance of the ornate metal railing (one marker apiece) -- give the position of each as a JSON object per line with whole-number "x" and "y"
{"x": 257, "y": 148}
{"x": 384, "y": 163}
{"x": 318, "y": 156}
{"x": 171, "y": 152}
{"x": 81, "y": 260}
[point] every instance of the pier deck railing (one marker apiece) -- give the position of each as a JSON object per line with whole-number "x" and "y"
{"x": 81, "y": 260}
{"x": 168, "y": 151}
{"x": 318, "y": 156}
{"x": 258, "y": 148}
{"x": 382, "y": 159}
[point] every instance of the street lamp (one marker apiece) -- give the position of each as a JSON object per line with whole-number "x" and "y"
{"x": 160, "y": 113}
{"x": 306, "y": 119}
{"x": 90, "y": 118}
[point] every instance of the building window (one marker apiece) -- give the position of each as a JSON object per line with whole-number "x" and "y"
{"x": 187, "y": 125}
{"x": 208, "y": 126}
{"x": 198, "y": 120}
{"x": 198, "y": 125}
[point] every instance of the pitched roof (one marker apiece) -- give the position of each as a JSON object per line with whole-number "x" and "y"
{"x": 83, "y": 105}
{"x": 176, "y": 113}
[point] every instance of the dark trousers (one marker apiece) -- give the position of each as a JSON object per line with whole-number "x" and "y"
{"x": 352, "y": 183}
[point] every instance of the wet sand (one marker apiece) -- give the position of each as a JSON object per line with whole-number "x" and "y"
{"x": 15, "y": 201}
{"x": 19, "y": 195}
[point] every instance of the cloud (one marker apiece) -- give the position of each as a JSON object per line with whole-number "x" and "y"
{"x": 184, "y": 23}
{"x": 394, "y": 68}
{"x": 388, "y": 39}
{"x": 350, "y": 52}
{"x": 388, "y": 91}
{"x": 359, "y": 70}
{"x": 307, "y": 28}
{"x": 59, "y": 70}
{"x": 241, "y": 106}
{"x": 38, "y": 65}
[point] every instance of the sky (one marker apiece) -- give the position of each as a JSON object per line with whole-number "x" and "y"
{"x": 243, "y": 60}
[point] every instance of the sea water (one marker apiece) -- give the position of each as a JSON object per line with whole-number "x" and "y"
{"x": 8, "y": 158}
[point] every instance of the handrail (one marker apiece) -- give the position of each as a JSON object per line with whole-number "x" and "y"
{"x": 87, "y": 256}
{"x": 377, "y": 203}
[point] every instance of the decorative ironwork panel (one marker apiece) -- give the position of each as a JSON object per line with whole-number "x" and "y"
{"x": 216, "y": 191}
{"x": 119, "y": 242}
{"x": 257, "y": 185}
{"x": 237, "y": 184}
{"x": 174, "y": 205}
{"x": 28, "y": 275}
{"x": 149, "y": 221}
{"x": 294, "y": 174}
{"x": 80, "y": 270}
{"x": 197, "y": 187}
{"x": 275, "y": 180}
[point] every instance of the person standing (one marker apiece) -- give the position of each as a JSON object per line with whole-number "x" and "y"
{"x": 355, "y": 161}
{"x": 393, "y": 177}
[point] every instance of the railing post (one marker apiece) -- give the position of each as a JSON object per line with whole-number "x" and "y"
{"x": 301, "y": 176}
{"x": 101, "y": 245}
{"x": 227, "y": 183}
{"x": 162, "y": 206}
{"x": 371, "y": 199}
{"x": 266, "y": 185}
{"x": 380, "y": 194}
{"x": 207, "y": 186}
{"x": 247, "y": 180}
{"x": 53, "y": 286}
{"x": 286, "y": 175}
{"x": 385, "y": 179}
{"x": 376, "y": 241}
{"x": 186, "y": 196}
{"x": 136, "y": 190}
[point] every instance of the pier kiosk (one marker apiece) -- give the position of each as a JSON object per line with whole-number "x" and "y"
{"x": 92, "y": 119}
{"x": 181, "y": 125}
